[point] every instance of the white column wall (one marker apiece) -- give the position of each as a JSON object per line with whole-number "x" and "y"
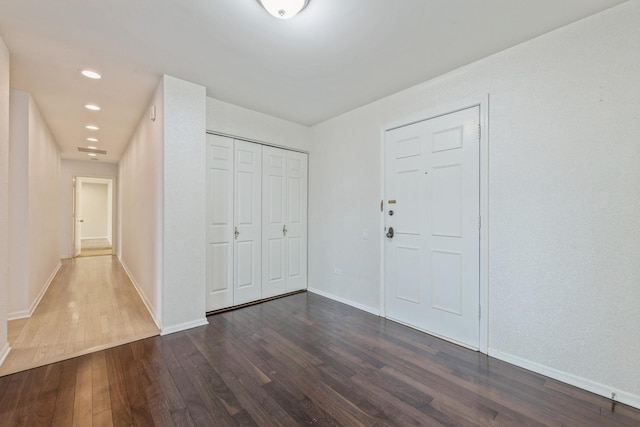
{"x": 564, "y": 211}
{"x": 183, "y": 238}
{"x": 4, "y": 196}
{"x": 140, "y": 204}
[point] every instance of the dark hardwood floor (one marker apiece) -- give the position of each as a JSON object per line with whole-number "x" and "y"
{"x": 300, "y": 360}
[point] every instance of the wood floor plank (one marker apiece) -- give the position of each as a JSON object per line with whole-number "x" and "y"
{"x": 299, "y": 360}
{"x": 90, "y": 305}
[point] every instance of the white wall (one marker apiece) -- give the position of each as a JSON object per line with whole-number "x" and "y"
{"x": 34, "y": 205}
{"x": 95, "y": 210}
{"x": 69, "y": 169}
{"x": 140, "y": 189}
{"x": 233, "y": 120}
{"x": 184, "y": 205}
{"x": 4, "y": 196}
{"x": 564, "y": 211}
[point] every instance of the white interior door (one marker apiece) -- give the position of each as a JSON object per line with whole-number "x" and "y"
{"x": 77, "y": 217}
{"x": 248, "y": 222}
{"x": 274, "y": 218}
{"x": 284, "y": 210}
{"x": 296, "y": 224}
{"x": 220, "y": 241}
{"x": 432, "y": 189}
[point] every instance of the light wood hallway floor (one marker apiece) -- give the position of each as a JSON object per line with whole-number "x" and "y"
{"x": 91, "y": 305}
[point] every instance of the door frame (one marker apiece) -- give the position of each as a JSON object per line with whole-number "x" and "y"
{"x": 442, "y": 110}
{"x": 114, "y": 209}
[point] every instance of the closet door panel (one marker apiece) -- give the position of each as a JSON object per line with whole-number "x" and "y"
{"x": 296, "y": 248}
{"x": 248, "y": 222}
{"x": 219, "y": 252}
{"x": 274, "y": 207}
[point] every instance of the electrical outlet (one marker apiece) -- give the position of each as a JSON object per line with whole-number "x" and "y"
{"x": 337, "y": 271}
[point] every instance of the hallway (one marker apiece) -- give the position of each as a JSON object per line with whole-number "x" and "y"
{"x": 91, "y": 305}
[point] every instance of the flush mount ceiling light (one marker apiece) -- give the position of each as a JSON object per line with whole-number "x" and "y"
{"x": 92, "y": 107}
{"x": 92, "y": 127}
{"x": 91, "y": 74}
{"x": 284, "y": 9}
{"x": 92, "y": 139}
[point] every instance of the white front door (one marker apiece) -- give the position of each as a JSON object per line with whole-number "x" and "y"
{"x": 432, "y": 191}
{"x": 284, "y": 211}
{"x": 248, "y": 222}
{"x": 220, "y": 238}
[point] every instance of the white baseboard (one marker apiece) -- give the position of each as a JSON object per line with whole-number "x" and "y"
{"x": 372, "y": 310}
{"x": 184, "y": 326}
{"x": 97, "y": 237}
{"x": 22, "y": 314}
{"x": 4, "y": 353}
{"x": 574, "y": 380}
{"x": 143, "y": 297}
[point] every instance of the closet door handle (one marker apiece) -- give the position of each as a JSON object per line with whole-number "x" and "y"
{"x": 235, "y": 232}
{"x": 284, "y": 231}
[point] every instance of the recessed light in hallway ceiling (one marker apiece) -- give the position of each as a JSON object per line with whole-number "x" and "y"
{"x": 92, "y": 127}
{"x": 92, "y": 107}
{"x": 92, "y": 139}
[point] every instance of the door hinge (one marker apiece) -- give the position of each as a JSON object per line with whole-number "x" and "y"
{"x": 479, "y": 311}
{"x": 382, "y": 205}
{"x": 479, "y": 131}
{"x": 479, "y": 222}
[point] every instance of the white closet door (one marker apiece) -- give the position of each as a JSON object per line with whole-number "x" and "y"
{"x": 296, "y": 215}
{"x": 248, "y": 222}
{"x": 219, "y": 222}
{"x": 274, "y": 208}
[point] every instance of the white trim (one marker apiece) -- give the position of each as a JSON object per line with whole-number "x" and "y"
{"x": 184, "y": 326}
{"x": 565, "y": 377}
{"x": 481, "y": 101}
{"x": 23, "y": 314}
{"x": 97, "y": 237}
{"x": 4, "y": 353}
{"x": 354, "y": 304}
{"x": 143, "y": 297}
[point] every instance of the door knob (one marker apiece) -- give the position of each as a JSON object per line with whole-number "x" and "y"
{"x": 284, "y": 230}
{"x": 236, "y": 232}
{"x": 390, "y": 232}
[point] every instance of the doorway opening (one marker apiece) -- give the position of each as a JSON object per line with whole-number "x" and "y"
{"x": 93, "y": 206}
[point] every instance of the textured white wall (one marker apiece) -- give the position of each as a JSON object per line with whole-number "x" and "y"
{"x": 140, "y": 184}
{"x": 34, "y": 204}
{"x": 69, "y": 169}
{"x": 4, "y": 195}
{"x": 184, "y": 205}
{"x": 94, "y": 210}
{"x": 233, "y": 120}
{"x": 564, "y": 211}
{"x": 18, "y": 288}
{"x": 44, "y": 203}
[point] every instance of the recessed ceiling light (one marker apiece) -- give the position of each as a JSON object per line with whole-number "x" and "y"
{"x": 92, "y": 139}
{"x": 92, "y": 107}
{"x": 92, "y": 147}
{"x": 92, "y": 154}
{"x": 91, "y": 74}
{"x": 92, "y": 127}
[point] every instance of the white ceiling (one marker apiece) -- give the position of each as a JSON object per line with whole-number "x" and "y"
{"x": 335, "y": 56}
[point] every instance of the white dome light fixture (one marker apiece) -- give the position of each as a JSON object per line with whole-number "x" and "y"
{"x": 284, "y": 9}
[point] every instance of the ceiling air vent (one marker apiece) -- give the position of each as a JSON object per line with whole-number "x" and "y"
{"x": 92, "y": 150}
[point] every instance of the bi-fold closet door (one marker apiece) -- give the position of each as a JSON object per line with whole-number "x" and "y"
{"x": 256, "y": 222}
